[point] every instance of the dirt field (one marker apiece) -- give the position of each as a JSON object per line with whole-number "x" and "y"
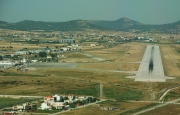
{"x": 171, "y": 59}
{"x": 111, "y": 66}
{"x": 173, "y": 94}
{"x": 45, "y": 83}
{"x": 167, "y": 110}
{"x": 98, "y": 109}
{"x": 130, "y": 52}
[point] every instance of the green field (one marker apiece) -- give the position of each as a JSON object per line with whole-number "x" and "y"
{"x": 5, "y": 102}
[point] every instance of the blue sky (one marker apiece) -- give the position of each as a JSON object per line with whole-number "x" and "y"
{"x": 144, "y": 11}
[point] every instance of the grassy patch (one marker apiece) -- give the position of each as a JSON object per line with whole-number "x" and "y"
{"x": 171, "y": 109}
{"x": 47, "y": 111}
{"x": 5, "y": 102}
{"x": 91, "y": 91}
{"x": 138, "y": 109}
{"x": 172, "y": 95}
{"x": 178, "y": 51}
{"x": 178, "y": 65}
{"x": 121, "y": 95}
{"x": 76, "y": 55}
{"x": 20, "y": 74}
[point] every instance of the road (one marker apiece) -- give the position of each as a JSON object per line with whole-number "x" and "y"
{"x": 151, "y": 68}
{"x": 157, "y": 106}
{"x": 165, "y": 93}
{"x": 20, "y": 96}
{"x": 101, "y": 90}
{"x": 58, "y": 113}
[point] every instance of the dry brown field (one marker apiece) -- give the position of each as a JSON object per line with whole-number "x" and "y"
{"x": 130, "y": 52}
{"x": 173, "y": 94}
{"x": 97, "y": 108}
{"x": 171, "y": 59}
{"x": 19, "y": 46}
{"x": 172, "y": 109}
{"x": 47, "y": 81}
{"x": 111, "y": 66}
{"x": 77, "y": 57}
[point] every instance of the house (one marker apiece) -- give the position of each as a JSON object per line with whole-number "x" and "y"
{"x": 49, "y": 57}
{"x": 59, "y": 105}
{"x": 58, "y": 98}
{"x": 45, "y": 106}
{"x": 28, "y": 39}
{"x": 149, "y": 40}
{"x": 140, "y": 38}
{"x": 48, "y": 98}
{"x": 64, "y": 49}
{"x": 34, "y": 61}
{"x": 93, "y": 45}
{"x": 75, "y": 45}
{"x": 71, "y": 97}
{"x": 24, "y": 60}
{"x": 67, "y": 41}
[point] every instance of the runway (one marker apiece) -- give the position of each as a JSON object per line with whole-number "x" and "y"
{"x": 151, "y": 68}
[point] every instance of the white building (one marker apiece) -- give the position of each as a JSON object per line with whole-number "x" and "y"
{"x": 64, "y": 49}
{"x": 6, "y": 63}
{"x": 20, "y": 52}
{"x": 44, "y": 106}
{"x": 34, "y": 61}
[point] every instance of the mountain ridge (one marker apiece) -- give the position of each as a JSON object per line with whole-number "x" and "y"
{"x": 122, "y": 24}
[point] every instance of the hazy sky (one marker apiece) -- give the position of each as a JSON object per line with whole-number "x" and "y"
{"x": 145, "y": 11}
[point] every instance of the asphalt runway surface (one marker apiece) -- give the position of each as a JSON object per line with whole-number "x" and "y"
{"x": 53, "y": 65}
{"x": 151, "y": 68}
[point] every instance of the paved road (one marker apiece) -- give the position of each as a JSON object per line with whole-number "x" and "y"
{"x": 78, "y": 107}
{"x": 151, "y": 68}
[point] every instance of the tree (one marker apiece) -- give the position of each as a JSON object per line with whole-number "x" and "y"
{"x": 56, "y": 47}
{"x": 1, "y": 58}
{"x": 72, "y": 105}
{"x": 42, "y": 54}
{"x": 53, "y": 55}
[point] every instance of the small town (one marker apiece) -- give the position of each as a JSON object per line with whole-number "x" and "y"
{"x": 56, "y": 103}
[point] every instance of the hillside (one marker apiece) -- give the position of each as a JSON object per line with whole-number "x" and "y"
{"x": 49, "y": 26}
{"x": 123, "y": 24}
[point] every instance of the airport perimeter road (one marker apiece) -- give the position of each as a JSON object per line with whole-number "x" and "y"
{"x": 151, "y": 68}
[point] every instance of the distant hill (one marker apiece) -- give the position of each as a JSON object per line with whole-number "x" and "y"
{"x": 3, "y": 24}
{"x": 50, "y": 26}
{"x": 123, "y": 24}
